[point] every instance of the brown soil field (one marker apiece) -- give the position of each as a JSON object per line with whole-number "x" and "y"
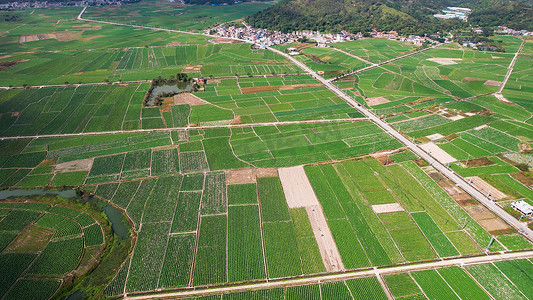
{"x": 479, "y": 162}
{"x": 192, "y": 68}
{"x": 248, "y": 175}
{"x": 173, "y": 44}
{"x": 376, "y": 101}
{"x": 268, "y": 88}
{"x": 485, "y": 188}
{"x": 523, "y": 178}
{"x": 493, "y": 83}
{"x": 9, "y": 64}
{"x": 444, "y": 77}
{"x": 469, "y": 79}
{"x": 188, "y": 98}
{"x": 224, "y": 41}
{"x": 75, "y": 165}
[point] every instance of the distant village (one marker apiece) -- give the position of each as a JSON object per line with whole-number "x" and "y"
{"x": 263, "y": 38}
{"x": 16, "y": 5}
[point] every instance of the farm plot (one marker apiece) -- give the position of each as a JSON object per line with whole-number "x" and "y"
{"x": 418, "y": 236}
{"x": 87, "y": 109}
{"x": 270, "y": 100}
{"x": 330, "y": 61}
{"x": 281, "y": 247}
{"x": 288, "y": 145}
{"x": 146, "y": 63}
{"x": 38, "y": 240}
{"x": 375, "y": 50}
{"x": 416, "y": 84}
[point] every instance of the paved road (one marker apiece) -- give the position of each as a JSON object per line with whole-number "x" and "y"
{"x": 381, "y": 63}
{"x": 81, "y": 134}
{"x": 511, "y": 67}
{"x": 458, "y": 180}
{"x": 338, "y": 277}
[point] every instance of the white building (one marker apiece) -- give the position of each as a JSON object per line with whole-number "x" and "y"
{"x": 523, "y": 207}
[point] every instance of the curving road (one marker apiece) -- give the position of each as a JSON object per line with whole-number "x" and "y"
{"x": 458, "y": 180}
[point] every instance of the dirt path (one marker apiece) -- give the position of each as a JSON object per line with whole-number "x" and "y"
{"x": 5, "y": 138}
{"x": 299, "y": 193}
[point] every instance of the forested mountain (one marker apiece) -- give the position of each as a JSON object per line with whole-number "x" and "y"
{"x": 404, "y": 16}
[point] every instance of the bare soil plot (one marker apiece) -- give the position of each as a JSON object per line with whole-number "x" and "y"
{"x": 297, "y": 188}
{"x": 481, "y": 127}
{"x": 486, "y": 188}
{"x": 479, "y": 162}
{"x": 224, "y": 41}
{"x": 192, "y": 68}
{"x": 502, "y": 98}
{"x": 248, "y": 175}
{"x": 328, "y": 249}
{"x": 486, "y": 218}
{"x": 469, "y": 79}
{"x": 376, "y": 100}
{"x": 8, "y": 64}
{"x": 456, "y": 117}
{"x": 269, "y": 88}
{"x": 173, "y": 44}
{"x": 439, "y": 154}
{"x": 524, "y": 179}
{"x": 75, "y": 165}
{"x": 493, "y": 83}
{"x": 444, "y": 61}
{"x": 33, "y": 238}
{"x": 299, "y": 193}
{"x": 188, "y": 98}
{"x": 436, "y": 136}
{"x": 387, "y": 208}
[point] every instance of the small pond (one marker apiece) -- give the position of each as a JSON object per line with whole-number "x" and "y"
{"x": 166, "y": 89}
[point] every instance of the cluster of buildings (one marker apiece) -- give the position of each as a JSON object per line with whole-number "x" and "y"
{"x": 44, "y": 4}
{"x": 506, "y": 30}
{"x": 451, "y": 12}
{"x": 264, "y": 38}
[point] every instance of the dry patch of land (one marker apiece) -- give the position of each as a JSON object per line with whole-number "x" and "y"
{"x": 376, "y": 100}
{"x": 268, "y": 88}
{"x": 487, "y": 219}
{"x": 192, "y": 68}
{"x": 444, "y": 61}
{"x": 387, "y": 208}
{"x": 9, "y": 64}
{"x": 493, "y": 83}
{"x": 75, "y": 165}
{"x": 224, "y": 41}
{"x": 436, "y": 136}
{"x": 248, "y": 175}
{"x": 299, "y": 193}
{"x": 486, "y": 188}
{"x": 439, "y": 154}
{"x": 297, "y": 188}
{"x": 188, "y": 98}
{"x": 171, "y": 44}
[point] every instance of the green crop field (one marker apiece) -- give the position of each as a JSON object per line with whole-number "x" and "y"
{"x": 191, "y": 193}
{"x": 39, "y": 240}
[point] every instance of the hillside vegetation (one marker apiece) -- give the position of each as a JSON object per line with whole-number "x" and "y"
{"x": 406, "y": 17}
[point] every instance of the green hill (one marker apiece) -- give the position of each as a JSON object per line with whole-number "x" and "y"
{"x": 404, "y": 16}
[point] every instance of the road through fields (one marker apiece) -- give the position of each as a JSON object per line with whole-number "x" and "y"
{"x": 458, "y": 180}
